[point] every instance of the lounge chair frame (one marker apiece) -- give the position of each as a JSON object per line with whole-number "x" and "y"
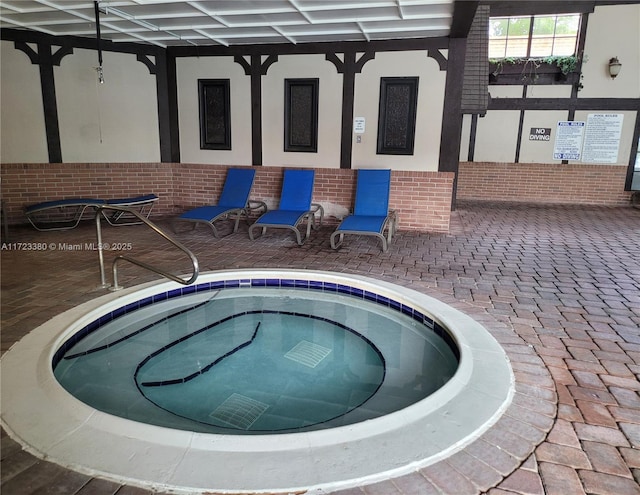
{"x": 66, "y": 214}
{"x": 142, "y": 204}
{"x": 390, "y": 226}
{"x": 253, "y": 208}
{"x": 309, "y": 216}
{"x": 385, "y": 218}
{"x": 285, "y": 216}
{"x": 235, "y": 193}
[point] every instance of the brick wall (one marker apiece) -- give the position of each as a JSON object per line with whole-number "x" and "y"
{"x": 543, "y": 183}
{"x": 28, "y": 183}
{"x": 422, "y": 199}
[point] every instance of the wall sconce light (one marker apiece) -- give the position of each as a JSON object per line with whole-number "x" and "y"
{"x": 614, "y": 67}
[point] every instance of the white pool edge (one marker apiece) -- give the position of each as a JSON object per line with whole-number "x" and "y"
{"x": 51, "y": 424}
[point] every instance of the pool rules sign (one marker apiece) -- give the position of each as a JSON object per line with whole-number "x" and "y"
{"x": 595, "y": 141}
{"x": 602, "y": 138}
{"x": 569, "y": 137}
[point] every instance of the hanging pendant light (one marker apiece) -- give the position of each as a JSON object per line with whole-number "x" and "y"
{"x": 99, "y": 68}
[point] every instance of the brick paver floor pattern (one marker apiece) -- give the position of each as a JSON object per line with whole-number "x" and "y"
{"x": 560, "y": 285}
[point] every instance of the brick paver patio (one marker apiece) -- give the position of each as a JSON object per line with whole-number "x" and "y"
{"x": 558, "y": 287}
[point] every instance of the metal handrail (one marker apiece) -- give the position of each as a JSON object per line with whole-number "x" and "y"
{"x": 99, "y": 212}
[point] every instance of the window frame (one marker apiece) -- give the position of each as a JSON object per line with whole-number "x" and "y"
{"x": 539, "y": 70}
{"x": 225, "y": 85}
{"x": 312, "y": 117}
{"x": 530, "y": 36}
{"x": 412, "y": 110}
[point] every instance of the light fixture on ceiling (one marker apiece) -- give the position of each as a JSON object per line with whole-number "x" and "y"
{"x": 614, "y": 67}
{"x": 100, "y": 74}
{"x": 99, "y": 68}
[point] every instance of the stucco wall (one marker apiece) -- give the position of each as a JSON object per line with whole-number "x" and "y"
{"x": 22, "y": 132}
{"x": 366, "y": 100}
{"x": 497, "y": 132}
{"x": 112, "y": 122}
{"x": 431, "y": 85}
{"x": 189, "y": 70}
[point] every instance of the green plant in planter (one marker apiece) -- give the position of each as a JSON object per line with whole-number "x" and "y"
{"x": 501, "y": 62}
{"x": 530, "y": 66}
{"x": 566, "y": 64}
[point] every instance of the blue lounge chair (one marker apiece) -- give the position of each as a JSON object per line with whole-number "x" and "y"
{"x": 66, "y": 214}
{"x": 234, "y": 202}
{"x": 371, "y": 214}
{"x": 295, "y": 206}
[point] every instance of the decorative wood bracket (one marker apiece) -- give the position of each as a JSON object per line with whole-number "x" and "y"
{"x": 438, "y": 57}
{"x": 349, "y": 67}
{"x": 45, "y": 59}
{"x": 349, "y": 61}
{"x": 147, "y": 61}
{"x": 35, "y": 58}
{"x": 256, "y": 69}
{"x": 262, "y": 67}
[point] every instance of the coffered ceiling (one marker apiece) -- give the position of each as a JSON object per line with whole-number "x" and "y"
{"x": 232, "y": 22}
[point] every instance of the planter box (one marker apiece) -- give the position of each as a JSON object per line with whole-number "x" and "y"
{"x": 528, "y": 72}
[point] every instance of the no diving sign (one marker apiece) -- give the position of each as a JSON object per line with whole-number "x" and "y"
{"x": 540, "y": 134}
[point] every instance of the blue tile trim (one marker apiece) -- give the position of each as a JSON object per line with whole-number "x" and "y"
{"x": 270, "y": 282}
{"x": 330, "y": 286}
{"x": 343, "y": 289}
{"x": 190, "y": 289}
{"x": 175, "y": 293}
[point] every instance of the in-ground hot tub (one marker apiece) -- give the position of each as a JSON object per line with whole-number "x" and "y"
{"x": 44, "y": 417}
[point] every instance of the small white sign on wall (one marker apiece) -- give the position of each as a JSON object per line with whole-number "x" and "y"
{"x": 358, "y": 125}
{"x": 568, "y": 145}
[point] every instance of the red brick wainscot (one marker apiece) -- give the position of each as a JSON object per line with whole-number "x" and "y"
{"x": 422, "y": 200}
{"x": 543, "y": 183}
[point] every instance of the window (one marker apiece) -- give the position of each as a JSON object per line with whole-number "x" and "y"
{"x": 301, "y": 115}
{"x": 215, "y": 118}
{"x": 533, "y": 36}
{"x": 397, "y": 115}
